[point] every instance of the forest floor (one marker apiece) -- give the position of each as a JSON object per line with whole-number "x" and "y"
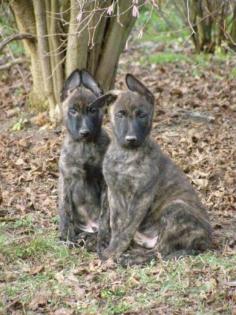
{"x": 195, "y": 123}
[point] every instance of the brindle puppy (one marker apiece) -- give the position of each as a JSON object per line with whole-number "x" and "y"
{"x": 150, "y": 200}
{"x": 81, "y": 181}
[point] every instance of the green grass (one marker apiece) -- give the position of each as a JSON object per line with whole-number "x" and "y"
{"x": 26, "y": 221}
{"x": 198, "y": 62}
{"x": 233, "y": 73}
{"x": 174, "y": 284}
{"x": 35, "y": 244}
{"x": 166, "y": 57}
{"x": 36, "y": 247}
{"x": 75, "y": 279}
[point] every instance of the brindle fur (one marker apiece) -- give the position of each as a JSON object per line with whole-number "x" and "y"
{"x": 80, "y": 180}
{"x": 151, "y": 203}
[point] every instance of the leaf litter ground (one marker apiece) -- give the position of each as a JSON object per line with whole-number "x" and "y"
{"x": 195, "y": 123}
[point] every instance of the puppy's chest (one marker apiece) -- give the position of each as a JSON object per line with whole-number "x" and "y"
{"x": 81, "y": 161}
{"x": 86, "y": 154}
{"x": 125, "y": 174}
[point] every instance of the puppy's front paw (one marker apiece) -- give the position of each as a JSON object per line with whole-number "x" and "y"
{"x": 106, "y": 254}
{"x": 124, "y": 260}
{"x": 101, "y": 246}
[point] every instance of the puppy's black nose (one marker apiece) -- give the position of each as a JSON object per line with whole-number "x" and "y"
{"x": 131, "y": 139}
{"x": 84, "y": 133}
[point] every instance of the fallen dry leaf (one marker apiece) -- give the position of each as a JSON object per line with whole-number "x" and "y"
{"x": 41, "y": 119}
{"x": 15, "y": 305}
{"x": 231, "y": 283}
{"x": 39, "y": 300}
{"x": 64, "y": 311}
{"x": 36, "y": 269}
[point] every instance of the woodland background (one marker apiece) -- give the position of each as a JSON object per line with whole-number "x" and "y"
{"x": 185, "y": 53}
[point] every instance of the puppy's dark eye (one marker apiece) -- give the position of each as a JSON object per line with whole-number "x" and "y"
{"x": 92, "y": 110}
{"x": 73, "y": 112}
{"x": 141, "y": 114}
{"x": 121, "y": 114}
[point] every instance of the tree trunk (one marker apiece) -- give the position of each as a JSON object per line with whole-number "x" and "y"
{"x": 24, "y": 15}
{"x": 77, "y": 41}
{"x": 56, "y": 54}
{"x": 72, "y": 34}
{"x": 115, "y": 39}
{"x": 43, "y": 53}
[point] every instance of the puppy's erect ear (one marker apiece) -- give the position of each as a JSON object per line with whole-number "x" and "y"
{"x": 70, "y": 84}
{"x": 89, "y": 82}
{"x": 135, "y": 85}
{"x": 104, "y": 100}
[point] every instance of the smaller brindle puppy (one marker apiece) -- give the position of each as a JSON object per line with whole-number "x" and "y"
{"x": 80, "y": 180}
{"x": 149, "y": 199}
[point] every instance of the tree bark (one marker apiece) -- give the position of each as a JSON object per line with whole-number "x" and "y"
{"x": 56, "y": 53}
{"x": 24, "y": 16}
{"x": 114, "y": 43}
{"x": 43, "y": 53}
{"x": 98, "y": 28}
{"x": 77, "y": 41}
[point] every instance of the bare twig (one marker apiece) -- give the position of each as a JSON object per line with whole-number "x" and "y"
{"x": 21, "y": 36}
{"x": 16, "y": 61}
{"x": 189, "y": 22}
{"x": 4, "y": 219}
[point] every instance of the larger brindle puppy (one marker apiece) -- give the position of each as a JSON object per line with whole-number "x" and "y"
{"x": 81, "y": 181}
{"x": 150, "y": 201}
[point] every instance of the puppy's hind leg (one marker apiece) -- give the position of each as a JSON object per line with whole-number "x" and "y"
{"x": 183, "y": 230}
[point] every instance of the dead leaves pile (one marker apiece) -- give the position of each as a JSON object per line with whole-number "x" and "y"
{"x": 28, "y": 173}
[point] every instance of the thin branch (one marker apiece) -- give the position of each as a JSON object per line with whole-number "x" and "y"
{"x": 189, "y": 22}
{"x": 21, "y": 36}
{"x": 16, "y": 61}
